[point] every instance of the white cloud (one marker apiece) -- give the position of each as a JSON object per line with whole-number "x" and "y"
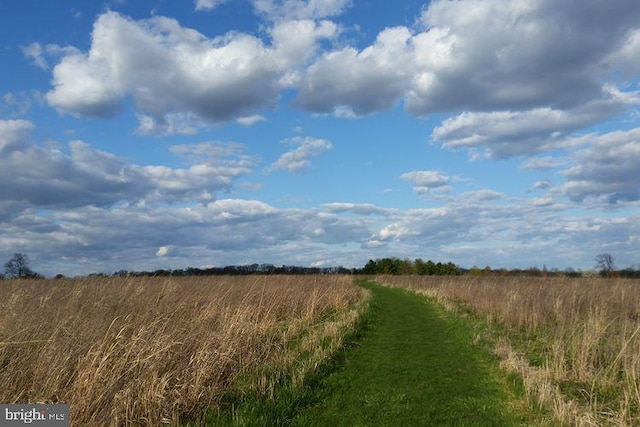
{"x": 208, "y": 4}
{"x": 625, "y": 59}
{"x": 511, "y": 133}
{"x": 18, "y": 104}
{"x": 481, "y": 55}
{"x": 297, "y": 160}
{"x": 38, "y": 54}
{"x": 502, "y": 63}
{"x": 520, "y": 54}
{"x": 543, "y": 163}
{"x": 422, "y": 227}
{"x": 251, "y": 120}
{"x": 178, "y": 78}
{"x": 607, "y": 168}
{"x": 34, "y": 52}
{"x": 294, "y": 42}
{"x": 472, "y": 229}
{"x": 164, "y": 251}
{"x": 350, "y": 83}
{"x": 46, "y": 177}
{"x": 357, "y": 208}
{"x": 13, "y": 135}
{"x": 282, "y": 10}
{"x": 481, "y": 196}
{"x": 135, "y": 236}
{"x": 543, "y": 185}
{"x": 424, "y": 182}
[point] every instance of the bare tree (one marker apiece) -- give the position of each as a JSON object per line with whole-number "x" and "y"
{"x": 604, "y": 263}
{"x": 18, "y": 267}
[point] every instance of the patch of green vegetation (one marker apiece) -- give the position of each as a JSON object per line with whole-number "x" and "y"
{"x": 409, "y": 362}
{"x": 285, "y": 394}
{"x": 536, "y": 347}
{"x": 415, "y": 365}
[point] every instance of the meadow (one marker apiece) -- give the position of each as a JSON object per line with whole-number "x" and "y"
{"x": 152, "y": 351}
{"x": 575, "y": 342}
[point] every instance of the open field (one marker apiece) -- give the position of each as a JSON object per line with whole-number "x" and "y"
{"x": 575, "y": 342}
{"x": 165, "y": 350}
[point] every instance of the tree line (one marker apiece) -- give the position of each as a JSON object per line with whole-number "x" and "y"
{"x": 397, "y": 266}
{"x": 233, "y": 270}
{"x": 380, "y": 266}
{"x": 18, "y": 267}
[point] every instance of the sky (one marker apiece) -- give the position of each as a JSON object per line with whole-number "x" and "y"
{"x": 158, "y": 134}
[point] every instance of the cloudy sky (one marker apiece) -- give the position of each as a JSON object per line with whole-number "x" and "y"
{"x": 155, "y": 134}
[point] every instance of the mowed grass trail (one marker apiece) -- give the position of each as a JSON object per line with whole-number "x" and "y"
{"x": 415, "y": 365}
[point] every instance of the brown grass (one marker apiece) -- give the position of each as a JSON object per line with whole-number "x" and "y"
{"x": 148, "y": 351}
{"x": 576, "y": 342}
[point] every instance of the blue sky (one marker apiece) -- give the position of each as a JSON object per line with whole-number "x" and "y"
{"x": 161, "y": 134}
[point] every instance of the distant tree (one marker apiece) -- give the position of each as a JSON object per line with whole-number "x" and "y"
{"x": 18, "y": 268}
{"x": 605, "y": 264}
{"x": 475, "y": 271}
{"x": 121, "y": 273}
{"x": 405, "y": 266}
{"x": 430, "y": 268}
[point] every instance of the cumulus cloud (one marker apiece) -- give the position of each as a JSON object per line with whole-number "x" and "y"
{"x": 45, "y": 177}
{"x": 357, "y": 208}
{"x": 34, "y": 52}
{"x": 485, "y": 233}
{"x": 540, "y": 66}
{"x": 625, "y": 59}
{"x": 144, "y": 236}
{"x": 38, "y": 54}
{"x": 251, "y": 120}
{"x": 208, "y": 4}
{"x": 178, "y": 78}
{"x": 522, "y": 54}
{"x": 164, "y": 251}
{"x": 13, "y": 135}
{"x": 297, "y": 160}
{"x": 300, "y": 9}
{"x": 511, "y": 133}
{"x": 545, "y": 184}
{"x": 607, "y": 168}
{"x": 481, "y": 195}
{"x": 423, "y": 227}
{"x": 537, "y": 56}
{"x": 424, "y": 182}
{"x": 348, "y": 82}
{"x": 135, "y": 236}
{"x": 543, "y": 163}
{"x": 18, "y": 104}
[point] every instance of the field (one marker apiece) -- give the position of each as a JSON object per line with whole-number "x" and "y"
{"x": 575, "y": 342}
{"x": 151, "y": 351}
{"x": 196, "y": 350}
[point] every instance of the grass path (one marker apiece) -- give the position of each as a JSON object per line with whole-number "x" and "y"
{"x": 415, "y": 365}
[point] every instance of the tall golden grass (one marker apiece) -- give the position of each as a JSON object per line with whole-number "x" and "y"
{"x": 575, "y": 341}
{"x": 151, "y": 351}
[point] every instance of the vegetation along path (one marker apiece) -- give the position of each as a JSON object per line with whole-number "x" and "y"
{"x": 415, "y": 365}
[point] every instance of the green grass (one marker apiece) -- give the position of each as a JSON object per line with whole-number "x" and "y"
{"x": 410, "y": 363}
{"x": 244, "y": 405}
{"x": 415, "y": 365}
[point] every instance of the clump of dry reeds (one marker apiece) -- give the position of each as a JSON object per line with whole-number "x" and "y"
{"x": 149, "y": 351}
{"x": 575, "y": 341}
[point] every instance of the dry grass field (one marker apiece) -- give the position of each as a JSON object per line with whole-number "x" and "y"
{"x": 151, "y": 351}
{"x": 575, "y": 342}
